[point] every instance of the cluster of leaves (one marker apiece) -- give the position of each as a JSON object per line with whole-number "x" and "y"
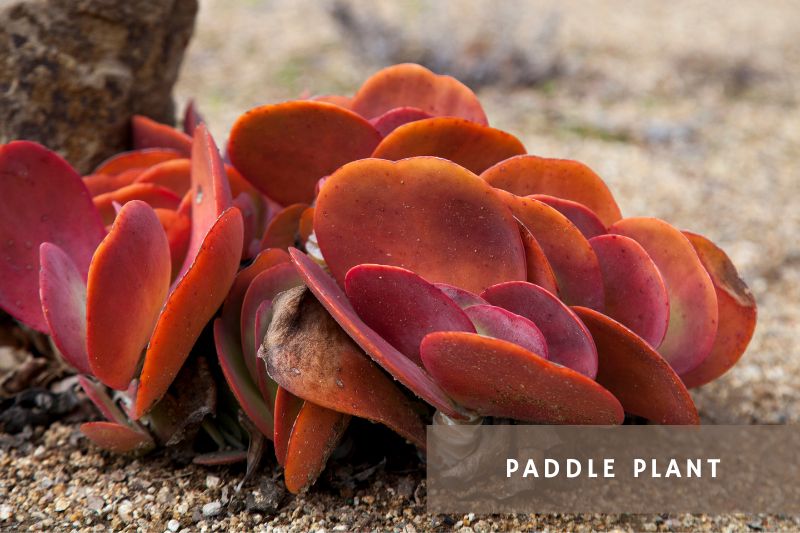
{"x": 353, "y": 256}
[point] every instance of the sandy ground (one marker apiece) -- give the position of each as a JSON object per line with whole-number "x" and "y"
{"x": 688, "y": 109}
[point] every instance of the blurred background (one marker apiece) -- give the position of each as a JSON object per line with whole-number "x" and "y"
{"x": 688, "y": 109}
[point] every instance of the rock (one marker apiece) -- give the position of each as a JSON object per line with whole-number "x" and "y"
{"x": 6, "y": 511}
{"x": 266, "y": 498}
{"x": 72, "y": 72}
{"x": 61, "y": 505}
{"x": 173, "y": 525}
{"x": 212, "y": 509}
{"x": 212, "y": 482}
{"x": 125, "y": 511}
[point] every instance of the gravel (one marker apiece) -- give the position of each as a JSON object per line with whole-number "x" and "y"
{"x": 686, "y": 119}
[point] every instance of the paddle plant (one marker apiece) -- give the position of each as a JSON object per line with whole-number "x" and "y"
{"x": 388, "y": 256}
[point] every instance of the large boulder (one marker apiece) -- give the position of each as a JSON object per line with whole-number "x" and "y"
{"x": 72, "y": 72}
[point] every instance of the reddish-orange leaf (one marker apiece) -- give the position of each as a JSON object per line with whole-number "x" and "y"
{"x": 178, "y": 227}
{"x": 341, "y": 101}
{"x": 210, "y": 191}
{"x": 570, "y": 255}
{"x": 636, "y": 295}
{"x": 492, "y": 321}
{"x": 147, "y": 133}
{"x": 562, "y": 178}
{"x": 136, "y": 159}
{"x": 174, "y": 175}
{"x": 315, "y": 434}
{"x": 118, "y": 438}
{"x": 308, "y": 354}
{"x": 333, "y": 298}
{"x": 641, "y": 379}
{"x": 692, "y": 299}
{"x": 155, "y": 196}
{"x": 424, "y": 214}
{"x": 401, "y": 306}
{"x": 287, "y": 406}
{"x": 394, "y": 118}
{"x": 193, "y": 302}
{"x": 471, "y": 145}
{"x": 462, "y": 298}
{"x": 580, "y": 215}
{"x": 497, "y": 378}
{"x": 737, "y": 313}
{"x": 42, "y": 199}
{"x": 128, "y": 283}
{"x": 232, "y": 308}
{"x": 191, "y": 117}
{"x": 282, "y": 230}
{"x": 306, "y": 224}
{"x": 283, "y": 149}
{"x": 540, "y": 272}
{"x": 103, "y": 183}
{"x": 414, "y": 85}
{"x": 63, "y": 293}
{"x": 231, "y": 360}
{"x": 568, "y": 341}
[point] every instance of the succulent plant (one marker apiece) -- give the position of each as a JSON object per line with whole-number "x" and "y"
{"x": 387, "y": 256}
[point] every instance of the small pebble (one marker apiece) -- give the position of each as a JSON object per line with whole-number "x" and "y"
{"x": 173, "y": 525}
{"x": 212, "y": 482}
{"x": 125, "y": 511}
{"x": 5, "y": 512}
{"x": 212, "y": 509}
{"x": 61, "y": 504}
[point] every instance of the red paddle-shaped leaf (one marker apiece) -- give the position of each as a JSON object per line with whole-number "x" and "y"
{"x": 306, "y": 224}
{"x": 401, "y": 306}
{"x": 174, "y": 175}
{"x": 265, "y": 287}
{"x": 315, "y": 434}
{"x": 287, "y": 406}
{"x": 155, "y": 196}
{"x": 498, "y": 378}
{"x": 693, "y": 303}
{"x": 308, "y": 354}
{"x": 539, "y": 270}
{"x": 178, "y": 227}
{"x": 737, "y": 313}
{"x": 641, "y": 379}
{"x": 63, "y": 293}
{"x": 333, "y": 298}
{"x": 210, "y": 192}
{"x": 462, "y": 298}
{"x": 232, "y": 308}
{"x": 244, "y": 203}
{"x": 471, "y": 145}
{"x": 425, "y": 214}
{"x": 394, "y": 118}
{"x": 103, "y": 183}
{"x": 580, "y": 215}
{"x": 100, "y": 398}
{"x": 572, "y": 259}
{"x": 635, "y": 292}
{"x": 128, "y": 284}
{"x": 499, "y": 323}
{"x": 136, "y": 159}
{"x": 193, "y": 302}
{"x": 245, "y": 390}
{"x": 117, "y": 438}
{"x": 283, "y": 228}
{"x": 191, "y": 118}
{"x": 42, "y": 199}
{"x": 568, "y": 341}
{"x": 562, "y": 178}
{"x": 413, "y": 85}
{"x": 283, "y": 149}
{"x": 147, "y": 133}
